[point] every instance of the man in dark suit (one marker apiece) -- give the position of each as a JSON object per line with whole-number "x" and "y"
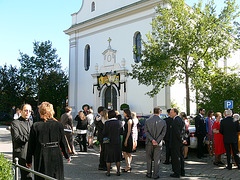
{"x": 177, "y": 139}
{"x": 155, "y": 129}
{"x": 201, "y": 132}
{"x": 99, "y": 126}
{"x": 20, "y": 130}
{"x": 13, "y": 111}
{"x": 229, "y": 129}
{"x": 167, "y": 137}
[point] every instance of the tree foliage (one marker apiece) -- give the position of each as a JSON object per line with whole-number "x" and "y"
{"x": 10, "y": 87}
{"x": 54, "y": 88}
{"x": 185, "y": 41}
{"x": 219, "y": 87}
{"x": 35, "y": 67}
{"x": 40, "y": 78}
{"x": 6, "y": 171}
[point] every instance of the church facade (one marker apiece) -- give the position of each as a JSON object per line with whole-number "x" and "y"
{"x": 101, "y": 43}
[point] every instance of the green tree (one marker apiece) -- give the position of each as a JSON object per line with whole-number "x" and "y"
{"x": 54, "y": 88}
{"x": 185, "y": 41}
{"x": 34, "y": 68}
{"x": 219, "y": 87}
{"x": 10, "y": 88}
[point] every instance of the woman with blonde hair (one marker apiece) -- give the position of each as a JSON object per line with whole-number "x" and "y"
{"x": 46, "y": 143}
{"x": 91, "y": 128}
{"x": 134, "y": 130}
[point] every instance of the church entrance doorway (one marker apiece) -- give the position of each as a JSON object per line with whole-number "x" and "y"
{"x": 110, "y": 92}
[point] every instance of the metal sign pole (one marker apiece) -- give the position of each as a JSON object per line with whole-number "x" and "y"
{"x": 16, "y": 169}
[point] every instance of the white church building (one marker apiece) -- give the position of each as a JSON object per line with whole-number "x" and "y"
{"x": 101, "y": 41}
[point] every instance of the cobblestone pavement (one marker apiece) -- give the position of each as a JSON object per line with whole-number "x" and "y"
{"x": 84, "y": 165}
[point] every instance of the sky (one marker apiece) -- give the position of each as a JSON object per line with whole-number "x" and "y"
{"x": 26, "y": 21}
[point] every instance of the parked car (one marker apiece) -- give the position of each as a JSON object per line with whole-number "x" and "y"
{"x": 5, "y": 119}
{"x": 193, "y": 137}
{"x": 141, "y": 132}
{"x": 192, "y": 132}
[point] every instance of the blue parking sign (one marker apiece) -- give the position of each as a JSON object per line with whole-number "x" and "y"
{"x": 228, "y": 104}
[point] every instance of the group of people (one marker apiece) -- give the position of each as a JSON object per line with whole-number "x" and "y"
{"x": 171, "y": 132}
{"x": 220, "y": 135}
{"x": 109, "y": 129}
{"x": 46, "y": 142}
{"x": 43, "y": 141}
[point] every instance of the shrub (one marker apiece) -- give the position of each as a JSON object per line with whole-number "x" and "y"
{"x": 124, "y": 106}
{"x": 6, "y": 172}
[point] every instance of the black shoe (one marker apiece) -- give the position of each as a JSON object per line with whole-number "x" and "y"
{"x": 156, "y": 177}
{"x": 107, "y": 174}
{"x": 216, "y": 163}
{"x": 174, "y": 175}
{"x": 118, "y": 173}
{"x": 148, "y": 176}
{"x": 220, "y": 163}
{"x": 228, "y": 167}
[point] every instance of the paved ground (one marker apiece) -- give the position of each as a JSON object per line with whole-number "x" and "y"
{"x": 84, "y": 165}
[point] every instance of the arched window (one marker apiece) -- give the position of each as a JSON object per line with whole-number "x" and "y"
{"x": 138, "y": 45}
{"x": 87, "y": 58}
{"x": 93, "y": 6}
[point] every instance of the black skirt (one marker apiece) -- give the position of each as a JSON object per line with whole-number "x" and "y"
{"x": 129, "y": 147}
{"x": 113, "y": 153}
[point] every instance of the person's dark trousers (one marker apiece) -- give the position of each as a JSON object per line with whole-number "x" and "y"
{"x": 102, "y": 163}
{"x": 24, "y": 174}
{"x": 235, "y": 153}
{"x": 168, "y": 152}
{"x": 200, "y": 146}
{"x": 82, "y": 142}
{"x": 177, "y": 160}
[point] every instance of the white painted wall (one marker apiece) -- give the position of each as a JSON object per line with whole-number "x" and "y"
{"x": 102, "y": 7}
{"x": 122, "y": 33}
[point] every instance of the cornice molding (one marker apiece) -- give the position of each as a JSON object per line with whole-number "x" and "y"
{"x": 112, "y": 15}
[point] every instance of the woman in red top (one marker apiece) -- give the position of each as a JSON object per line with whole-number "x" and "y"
{"x": 218, "y": 138}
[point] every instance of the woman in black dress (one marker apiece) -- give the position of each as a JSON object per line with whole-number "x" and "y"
{"x": 113, "y": 151}
{"x": 127, "y": 144}
{"x": 82, "y": 127}
{"x": 46, "y": 143}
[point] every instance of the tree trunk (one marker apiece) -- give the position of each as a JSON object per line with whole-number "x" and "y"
{"x": 187, "y": 95}
{"x": 197, "y": 97}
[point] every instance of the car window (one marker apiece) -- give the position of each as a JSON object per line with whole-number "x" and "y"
{"x": 163, "y": 116}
